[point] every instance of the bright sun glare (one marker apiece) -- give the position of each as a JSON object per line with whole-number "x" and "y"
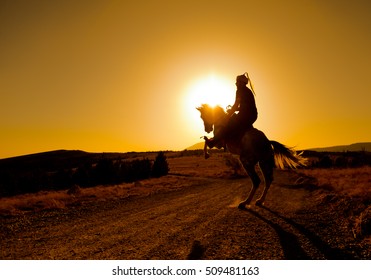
{"x": 213, "y": 90}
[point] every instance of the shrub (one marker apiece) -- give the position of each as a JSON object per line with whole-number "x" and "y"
{"x": 83, "y": 175}
{"x": 325, "y": 162}
{"x": 160, "y": 166}
{"x": 60, "y": 180}
{"x": 341, "y": 161}
{"x": 104, "y": 172}
{"x": 130, "y": 171}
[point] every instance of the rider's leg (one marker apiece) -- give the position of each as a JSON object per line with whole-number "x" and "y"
{"x": 211, "y": 143}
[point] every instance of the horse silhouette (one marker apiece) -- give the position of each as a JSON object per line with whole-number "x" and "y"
{"x": 253, "y": 148}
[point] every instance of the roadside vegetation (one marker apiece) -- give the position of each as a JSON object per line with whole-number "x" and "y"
{"x": 348, "y": 189}
{"x": 46, "y": 174}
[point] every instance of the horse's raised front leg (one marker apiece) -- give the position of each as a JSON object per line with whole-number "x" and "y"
{"x": 207, "y": 155}
{"x": 255, "y": 180}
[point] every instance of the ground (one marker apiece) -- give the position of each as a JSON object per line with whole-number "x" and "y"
{"x": 196, "y": 219}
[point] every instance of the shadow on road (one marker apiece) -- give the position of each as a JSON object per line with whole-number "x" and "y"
{"x": 196, "y": 252}
{"x": 328, "y": 252}
{"x": 290, "y": 243}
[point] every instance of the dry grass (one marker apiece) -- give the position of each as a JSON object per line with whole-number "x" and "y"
{"x": 354, "y": 187}
{"x": 60, "y": 199}
{"x": 198, "y": 166}
{"x": 346, "y": 181}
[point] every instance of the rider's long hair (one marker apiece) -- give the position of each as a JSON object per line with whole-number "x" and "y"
{"x": 251, "y": 85}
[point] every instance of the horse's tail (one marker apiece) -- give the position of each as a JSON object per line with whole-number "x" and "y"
{"x": 287, "y": 157}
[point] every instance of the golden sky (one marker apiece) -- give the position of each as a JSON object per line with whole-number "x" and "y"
{"x": 118, "y": 76}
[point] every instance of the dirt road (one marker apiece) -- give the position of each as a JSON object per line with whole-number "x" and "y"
{"x": 199, "y": 222}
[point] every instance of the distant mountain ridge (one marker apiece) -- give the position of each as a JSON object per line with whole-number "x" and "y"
{"x": 356, "y": 147}
{"x": 53, "y": 160}
{"x": 50, "y": 160}
{"x": 197, "y": 146}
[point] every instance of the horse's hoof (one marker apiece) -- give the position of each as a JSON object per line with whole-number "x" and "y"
{"x": 241, "y": 206}
{"x": 207, "y": 156}
{"x": 259, "y": 203}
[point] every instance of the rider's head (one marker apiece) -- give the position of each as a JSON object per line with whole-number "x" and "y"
{"x": 242, "y": 80}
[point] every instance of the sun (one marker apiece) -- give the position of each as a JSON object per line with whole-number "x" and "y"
{"x": 212, "y": 90}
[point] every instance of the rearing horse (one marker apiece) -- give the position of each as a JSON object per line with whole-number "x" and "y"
{"x": 253, "y": 148}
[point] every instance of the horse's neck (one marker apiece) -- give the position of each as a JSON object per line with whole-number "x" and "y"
{"x": 220, "y": 118}
{"x": 220, "y": 121}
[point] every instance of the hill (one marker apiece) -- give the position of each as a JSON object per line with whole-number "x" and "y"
{"x": 63, "y": 159}
{"x": 197, "y": 146}
{"x": 356, "y": 147}
{"x": 52, "y": 160}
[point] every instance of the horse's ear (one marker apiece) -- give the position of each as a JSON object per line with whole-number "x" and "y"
{"x": 198, "y": 108}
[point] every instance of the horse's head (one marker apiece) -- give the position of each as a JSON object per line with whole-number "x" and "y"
{"x": 207, "y": 115}
{"x": 210, "y": 115}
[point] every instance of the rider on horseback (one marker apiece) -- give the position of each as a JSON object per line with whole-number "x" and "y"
{"x": 241, "y": 122}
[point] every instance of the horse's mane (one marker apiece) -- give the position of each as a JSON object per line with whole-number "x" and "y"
{"x": 215, "y": 109}
{"x": 219, "y": 110}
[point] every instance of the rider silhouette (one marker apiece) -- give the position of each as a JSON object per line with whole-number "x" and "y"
{"x": 245, "y": 104}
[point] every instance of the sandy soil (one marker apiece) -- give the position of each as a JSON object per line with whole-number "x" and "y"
{"x": 198, "y": 221}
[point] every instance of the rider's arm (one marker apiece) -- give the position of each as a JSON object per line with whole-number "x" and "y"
{"x": 235, "y": 106}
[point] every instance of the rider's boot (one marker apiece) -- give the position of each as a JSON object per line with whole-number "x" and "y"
{"x": 212, "y": 142}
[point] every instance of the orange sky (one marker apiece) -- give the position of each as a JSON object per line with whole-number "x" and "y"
{"x": 115, "y": 75}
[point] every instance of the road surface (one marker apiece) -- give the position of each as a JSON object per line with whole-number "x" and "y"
{"x": 198, "y": 222}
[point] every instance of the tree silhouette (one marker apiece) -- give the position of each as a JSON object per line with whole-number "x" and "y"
{"x": 160, "y": 166}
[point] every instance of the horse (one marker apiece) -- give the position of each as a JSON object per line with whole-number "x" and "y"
{"x": 253, "y": 148}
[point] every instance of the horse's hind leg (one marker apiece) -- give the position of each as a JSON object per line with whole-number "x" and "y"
{"x": 255, "y": 180}
{"x": 267, "y": 169}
